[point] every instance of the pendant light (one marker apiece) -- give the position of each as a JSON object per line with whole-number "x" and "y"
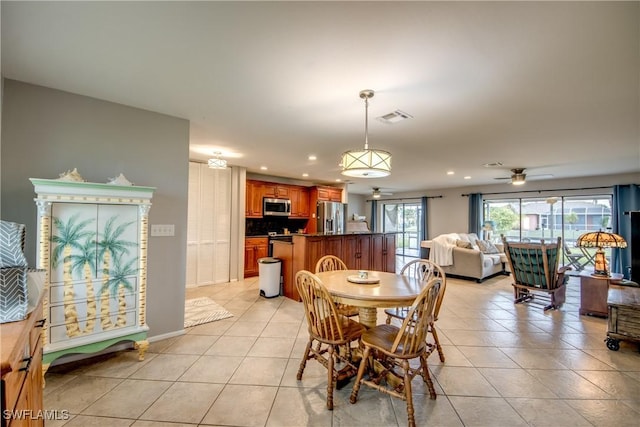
{"x": 367, "y": 163}
{"x": 217, "y": 163}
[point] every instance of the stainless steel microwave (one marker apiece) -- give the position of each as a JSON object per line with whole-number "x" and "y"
{"x": 276, "y": 207}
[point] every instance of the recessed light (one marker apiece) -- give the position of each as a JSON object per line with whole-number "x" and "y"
{"x": 338, "y": 180}
{"x": 450, "y": 172}
{"x": 305, "y": 175}
{"x": 312, "y": 157}
{"x": 264, "y": 168}
{"x": 467, "y": 177}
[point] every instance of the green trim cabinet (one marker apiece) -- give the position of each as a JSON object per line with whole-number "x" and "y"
{"x": 92, "y": 243}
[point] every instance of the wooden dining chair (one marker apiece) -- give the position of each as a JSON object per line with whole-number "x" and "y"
{"x": 423, "y": 270}
{"x": 332, "y": 263}
{"x": 330, "y": 333}
{"x": 396, "y": 347}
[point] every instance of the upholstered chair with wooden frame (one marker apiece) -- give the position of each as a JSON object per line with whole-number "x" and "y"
{"x": 536, "y": 275}
{"x": 330, "y": 334}
{"x": 332, "y": 263}
{"x": 396, "y": 347}
{"x": 423, "y": 270}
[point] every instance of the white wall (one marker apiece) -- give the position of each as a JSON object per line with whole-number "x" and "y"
{"x": 46, "y": 132}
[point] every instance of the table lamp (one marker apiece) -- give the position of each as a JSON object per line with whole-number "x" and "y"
{"x": 600, "y": 239}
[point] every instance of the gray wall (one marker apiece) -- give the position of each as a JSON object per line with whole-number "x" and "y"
{"x": 46, "y": 132}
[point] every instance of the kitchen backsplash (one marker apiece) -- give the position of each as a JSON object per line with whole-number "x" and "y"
{"x": 262, "y": 226}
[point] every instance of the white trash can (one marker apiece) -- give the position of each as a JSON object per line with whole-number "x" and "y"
{"x": 269, "y": 276}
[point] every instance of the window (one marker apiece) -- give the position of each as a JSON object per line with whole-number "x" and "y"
{"x": 534, "y": 219}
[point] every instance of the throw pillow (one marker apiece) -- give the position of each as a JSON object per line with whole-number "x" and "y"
{"x": 463, "y": 244}
{"x": 487, "y": 247}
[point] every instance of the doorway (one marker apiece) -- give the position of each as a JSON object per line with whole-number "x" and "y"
{"x": 404, "y": 219}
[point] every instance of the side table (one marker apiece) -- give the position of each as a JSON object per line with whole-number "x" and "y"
{"x": 593, "y": 293}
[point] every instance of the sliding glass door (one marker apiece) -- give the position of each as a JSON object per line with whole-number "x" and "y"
{"x": 535, "y": 219}
{"x": 405, "y": 219}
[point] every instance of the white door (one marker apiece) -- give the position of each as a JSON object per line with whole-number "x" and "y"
{"x": 209, "y": 225}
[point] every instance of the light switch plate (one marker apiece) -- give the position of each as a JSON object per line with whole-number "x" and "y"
{"x": 162, "y": 230}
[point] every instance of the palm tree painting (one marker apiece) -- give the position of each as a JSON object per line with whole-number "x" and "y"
{"x": 119, "y": 280}
{"x": 84, "y": 263}
{"x": 110, "y": 245}
{"x": 68, "y": 237}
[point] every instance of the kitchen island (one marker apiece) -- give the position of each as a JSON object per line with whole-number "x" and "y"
{"x": 360, "y": 251}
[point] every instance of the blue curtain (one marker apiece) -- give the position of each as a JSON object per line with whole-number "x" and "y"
{"x": 374, "y": 215}
{"x": 425, "y": 231}
{"x": 626, "y": 198}
{"x": 475, "y": 213}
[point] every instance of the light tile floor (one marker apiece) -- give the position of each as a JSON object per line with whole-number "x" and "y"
{"x": 505, "y": 365}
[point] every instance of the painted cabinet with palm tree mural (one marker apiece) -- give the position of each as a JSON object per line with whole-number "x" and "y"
{"x": 93, "y": 245}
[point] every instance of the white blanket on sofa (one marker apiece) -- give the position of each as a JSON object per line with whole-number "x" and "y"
{"x": 442, "y": 249}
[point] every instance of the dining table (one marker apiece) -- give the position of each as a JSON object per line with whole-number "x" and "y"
{"x": 378, "y": 290}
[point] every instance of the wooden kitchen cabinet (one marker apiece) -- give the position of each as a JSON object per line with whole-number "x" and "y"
{"x": 329, "y": 194}
{"x": 254, "y": 249}
{"x": 253, "y": 199}
{"x": 21, "y": 370}
{"x": 333, "y": 246}
{"x": 383, "y": 252}
{"x": 299, "y": 202}
{"x": 357, "y": 251}
{"x": 276, "y": 191}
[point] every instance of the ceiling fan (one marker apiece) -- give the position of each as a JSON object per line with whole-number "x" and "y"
{"x": 376, "y": 193}
{"x": 518, "y": 177}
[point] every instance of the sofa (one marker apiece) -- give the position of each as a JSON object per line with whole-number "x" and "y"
{"x": 466, "y": 256}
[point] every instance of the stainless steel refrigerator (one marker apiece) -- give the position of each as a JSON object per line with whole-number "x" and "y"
{"x": 331, "y": 217}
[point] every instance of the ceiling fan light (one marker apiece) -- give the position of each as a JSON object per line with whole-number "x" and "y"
{"x": 518, "y": 179}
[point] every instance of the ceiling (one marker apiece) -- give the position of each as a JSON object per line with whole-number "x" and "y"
{"x": 550, "y": 87}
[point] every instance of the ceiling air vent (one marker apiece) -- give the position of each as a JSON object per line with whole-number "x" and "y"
{"x": 395, "y": 117}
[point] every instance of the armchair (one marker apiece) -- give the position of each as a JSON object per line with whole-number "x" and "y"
{"x": 535, "y": 272}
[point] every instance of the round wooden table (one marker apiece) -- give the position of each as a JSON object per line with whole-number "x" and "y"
{"x": 393, "y": 290}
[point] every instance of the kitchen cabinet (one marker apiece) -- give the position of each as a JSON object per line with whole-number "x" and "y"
{"x": 254, "y": 249}
{"x": 299, "y": 202}
{"x": 383, "y": 252}
{"x": 333, "y": 246}
{"x": 276, "y": 191}
{"x": 329, "y": 194}
{"x": 253, "y": 199}
{"x": 357, "y": 251}
{"x": 92, "y": 242}
{"x": 21, "y": 370}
